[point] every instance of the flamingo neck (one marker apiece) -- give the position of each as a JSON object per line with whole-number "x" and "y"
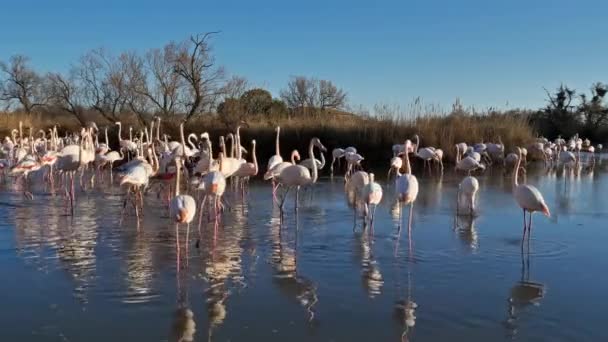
{"x": 181, "y": 134}
{"x": 516, "y": 170}
{"x": 119, "y": 131}
{"x": 255, "y": 159}
{"x": 178, "y": 166}
{"x": 277, "y": 151}
{"x": 294, "y": 154}
{"x": 311, "y": 153}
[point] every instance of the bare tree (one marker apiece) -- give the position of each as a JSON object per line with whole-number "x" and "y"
{"x": 21, "y": 84}
{"x": 104, "y": 82}
{"x": 133, "y": 68}
{"x": 329, "y": 96}
{"x": 302, "y": 92}
{"x": 299, "y": 93}
{"x": 196, "y": 65}
{"x": 235, "y": 87}
{"x": 63, "y": 93}
{"x": 157, "y": 80}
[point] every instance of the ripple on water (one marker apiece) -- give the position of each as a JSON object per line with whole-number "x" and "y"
{"x": 539, "y": 249}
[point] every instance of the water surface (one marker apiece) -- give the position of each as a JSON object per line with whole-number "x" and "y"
{"x": 95, "y": 277}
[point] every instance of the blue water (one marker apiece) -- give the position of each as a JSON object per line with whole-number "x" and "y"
{"x": 95, "y": 277}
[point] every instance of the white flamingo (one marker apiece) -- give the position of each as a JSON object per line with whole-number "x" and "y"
{"x": 407, "y": 189}
{"x": 181, "y": 209}
{"x": 372, "y": 195}
{"x": 467, "y": 190}
{"x": 298, "y": 175}
{"x": 276, "y": 158}
{"x": 336, "y": 155}
{"x": 528, "y": 198}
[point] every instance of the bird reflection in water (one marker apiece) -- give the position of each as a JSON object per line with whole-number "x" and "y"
{"x": 523, "y": 294}
{"x": 370, "y": 271}
{"x": 140, "y": 268}
{"x": 465, "y": 228}
{"x": 183, "y": 326}
{"x": 285, "y": 263}
{"x": 405, "y": 308}
{"x": 222, "y": 263}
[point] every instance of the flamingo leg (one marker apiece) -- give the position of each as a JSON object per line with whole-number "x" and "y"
{"x": 400, "y": 215}
{"x": 530, "y": 226}
{"x": 187, "y": 241}
{"x": 524, "y": 234}
{"x": 177, "y": 243}
{"x": 297, "y": 197}
{"x": 409, "y": 226}
{"x": 72, "y": 174}
{"x": 372, "y": 219}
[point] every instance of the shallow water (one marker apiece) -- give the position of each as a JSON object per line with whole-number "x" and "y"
{"x": 95, "y": 278}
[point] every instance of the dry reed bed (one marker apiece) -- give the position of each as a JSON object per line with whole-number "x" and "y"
{"x": 373, "y": 137}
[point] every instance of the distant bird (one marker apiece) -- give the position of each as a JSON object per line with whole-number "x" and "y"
{"x": 336, "y": 155}
{"x": 528, "y": 198}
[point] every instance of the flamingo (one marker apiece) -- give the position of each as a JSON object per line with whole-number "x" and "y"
{"x": 275, "y": 172}
{"x": 407, "y": 189}
{"x": 276, "y": 158}
{"x": 353, "y": 160}
{"x": 229, "y": 165}
{"x": 308, "y": 162}
{"x": 69, "y": 161}
{"x": 396, "y": 164}
{"x": 182, "y": 208}
{"x": 468, "y": 164}
{"x": 127, "y": 145}
{"x": 212, "y": 184}
{"x": 467, "y": 190}
{"x": 336, "y": 155}
{"x": 372, "y": 195}
{"x": 354, "y": 186}
{"x": 298, "y": 175}
{"x": 528, "y": 198}
{"x": 426, "y": 154}
{"x": 248, "y": 169}
{"x": 24, "y": 167}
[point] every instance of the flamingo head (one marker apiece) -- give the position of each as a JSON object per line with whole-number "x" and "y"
{"x": 181, "y": 215}
{"x": 545, "y": 210}
{"x": 318, "y": 143}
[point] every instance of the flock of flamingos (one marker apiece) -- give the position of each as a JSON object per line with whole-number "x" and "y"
{"x": 147, "y": 159}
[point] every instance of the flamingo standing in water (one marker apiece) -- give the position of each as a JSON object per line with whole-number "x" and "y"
{"x": 354, "y": 187}
{"x": 372, "y": 195}
{"x": 467, "y": 190}
{"x": 276, "y": 158}
{"x": 528, "y": 198}
{"x": 213, "y": 184}
{"x": 182, "y": 208}
{"x": 407, "y": 188}
{"x": 298, "y": 175}
{"x": 276, "y": 171}
{"x": 336, "y": 155}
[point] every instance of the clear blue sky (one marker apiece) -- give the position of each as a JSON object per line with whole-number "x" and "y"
{"x": 485, "y": 52}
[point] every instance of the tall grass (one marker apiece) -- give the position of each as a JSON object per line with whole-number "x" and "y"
{"x": 373, "y": 136}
